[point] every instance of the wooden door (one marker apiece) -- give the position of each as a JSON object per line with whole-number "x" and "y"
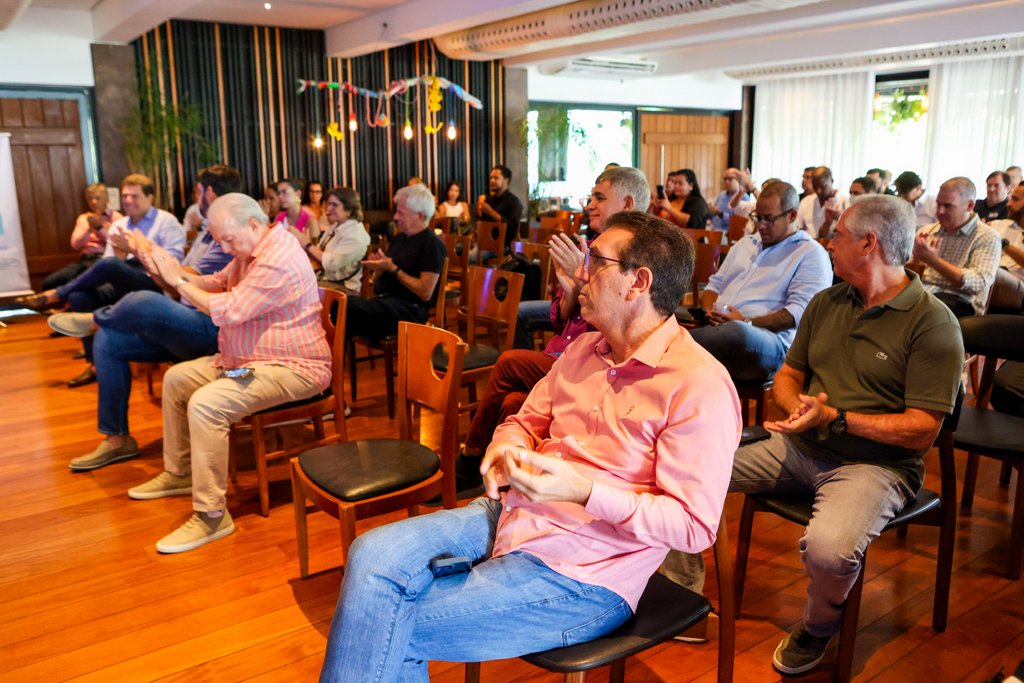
{"x": 669, "y": 142}
{"x": 49, "y": 172}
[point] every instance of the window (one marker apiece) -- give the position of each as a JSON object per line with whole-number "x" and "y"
{"x": 898, "y": 131}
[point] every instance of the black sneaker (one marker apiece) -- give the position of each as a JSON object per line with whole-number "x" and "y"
{"x": 799, "y": 652}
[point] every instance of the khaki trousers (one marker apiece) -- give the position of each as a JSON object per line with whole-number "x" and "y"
{"x": 199, "y": 409}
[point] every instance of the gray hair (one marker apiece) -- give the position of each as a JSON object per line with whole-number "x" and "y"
{"x": 962, "y": 186}
{"x": 418, "y": 199}
{"x": 789, "y": 198}
{"x": 239, "y": 208}
{"x": 628, "y": 182}
{"x": 891, "y": 219}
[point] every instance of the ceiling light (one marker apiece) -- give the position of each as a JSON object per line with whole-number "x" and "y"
{"x": 266, "y": 5}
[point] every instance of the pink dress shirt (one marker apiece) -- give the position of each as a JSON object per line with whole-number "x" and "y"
{"x": 87, "y": 240}
{"x": 656, "y": 434}
{"x": 270, "y": 310}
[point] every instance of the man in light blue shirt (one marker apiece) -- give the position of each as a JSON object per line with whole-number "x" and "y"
{"x": 721, "y": 210}
{"x": 755, "y": 300}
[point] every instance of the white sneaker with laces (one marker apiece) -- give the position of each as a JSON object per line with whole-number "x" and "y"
{"x": 199, "y": 530}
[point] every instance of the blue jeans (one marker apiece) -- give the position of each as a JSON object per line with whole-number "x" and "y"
{"x": 533, "y": 316}
{"x": 749, "y": 353}
{"x": 393, "y": 615}
{"x": 106, "y": 282}
{"x": 142, "y": 327}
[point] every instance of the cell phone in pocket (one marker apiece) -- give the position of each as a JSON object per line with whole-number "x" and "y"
{"x": 443, "y": 566}
{"x": 237, "y": 373}
{"x": 753, "y": 434}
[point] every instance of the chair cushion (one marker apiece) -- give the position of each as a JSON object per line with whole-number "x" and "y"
{"x": 477, "y": 356}
{"x": 989, "y": 432}
{"x": 798, "y": 508}
{"x": 295, "y": 404}
{"x": 357, "y": 470}
{"x": 665, "y": 609}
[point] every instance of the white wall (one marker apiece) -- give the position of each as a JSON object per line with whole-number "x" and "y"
{"x": 46, "y": 46}
{"x": 708, "y": 90}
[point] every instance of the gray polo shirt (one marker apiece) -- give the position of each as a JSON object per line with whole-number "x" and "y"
{"x": 908, "y": 352}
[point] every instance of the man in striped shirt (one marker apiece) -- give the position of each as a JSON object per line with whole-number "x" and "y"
{"x": 272, "y": 351}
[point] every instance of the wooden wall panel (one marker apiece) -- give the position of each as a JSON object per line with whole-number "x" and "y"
{"x": 669, "y": 142}
{"x": 49, "y": 171}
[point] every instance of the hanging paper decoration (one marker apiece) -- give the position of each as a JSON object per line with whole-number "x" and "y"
{"x": 394, "y": 88}
{"x": 433, "y": 106}
{"x": 335, "y": 132}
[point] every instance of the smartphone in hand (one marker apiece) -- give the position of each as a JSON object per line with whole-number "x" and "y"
{"x": 661, "y": 191}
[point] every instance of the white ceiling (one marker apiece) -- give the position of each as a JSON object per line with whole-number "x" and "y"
{"x": 729, "y": 35}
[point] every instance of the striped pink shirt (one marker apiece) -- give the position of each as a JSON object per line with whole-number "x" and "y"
{"x": 270, "y": 310}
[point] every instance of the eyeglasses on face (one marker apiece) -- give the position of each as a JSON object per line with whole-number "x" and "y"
{"x": 767, "y": 219}
{"x": 591, "y": 260}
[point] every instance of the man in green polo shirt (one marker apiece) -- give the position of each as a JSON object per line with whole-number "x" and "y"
{"x": 873, "y": 370}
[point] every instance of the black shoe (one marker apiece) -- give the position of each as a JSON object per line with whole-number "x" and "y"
{"x": 88, "y": 376}
{"x": 37, "y": 302}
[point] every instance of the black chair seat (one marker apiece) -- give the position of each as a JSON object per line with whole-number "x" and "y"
{"x": 798, "y": 509}
{"x": 990, "y": 432}
{"x": 295, "y": 404}
{"x": 665, "y": 610}
{"x": 477, "y": 356}
{"x": 357, "y": 470}
{"x": 753, "y": 385}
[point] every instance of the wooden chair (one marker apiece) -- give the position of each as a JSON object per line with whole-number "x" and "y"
{"x": 446, "y": 225}
{"x": 542, "y": 235}
{"x": 700, "y": 236}
{"x": 493, "y": 301}
{"x": 665, "y": 610}
{"x": 539, "y": 254}
{"x": 758, "y": 392}
{"x": 990, "y": 433}
{"x": 707, "y": 259}
{"x": 490, "y": 236}
{"x": 333, "y": 318}
{"x": 575, "y": 222}
{"x": 555, "y": 223}
{"x": 386, "y": 347}
{"x": 359, "y": 479}
{"x": 458, "y": 247}
{"x": 930, "y": 508}
{"x": 737, "y": 228}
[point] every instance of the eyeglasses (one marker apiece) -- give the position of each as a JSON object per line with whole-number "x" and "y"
{"x": 767, "y": 219}
{"x": 589, "y": 257}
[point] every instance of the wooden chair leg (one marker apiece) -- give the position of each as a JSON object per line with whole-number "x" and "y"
{"x": 616, "y": 675}
{"x": 743, "y": 548}
{"x": 581, "y": 676}
{"x": 347, "y": 522}
{"x": 389, "y": 380}
{"x": 726, "y": 605}
{"x": 260, "y": 454}
{"x": 1004, "y": 475}
{"x": 318, "y": 427}
{"x": 301, "y": 530}
{"x": 970, "y": 481}
{"x": 944, "y": 569}
{"x": 848, "y": 631}
{"x": 1017, "y": 527}
{"x": 352, "y": 364}
{"x": 472, "y": 672}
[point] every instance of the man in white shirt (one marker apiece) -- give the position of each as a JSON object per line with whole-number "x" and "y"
{"x": 819, "y": 211}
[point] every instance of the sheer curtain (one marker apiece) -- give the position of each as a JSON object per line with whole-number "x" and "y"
{"x": 975, "y": 124}
{"x": 812, "y": 121}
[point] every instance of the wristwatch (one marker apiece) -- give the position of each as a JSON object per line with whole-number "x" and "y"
{"x": 182, "y": 280}
{"x": 838, "y": 425}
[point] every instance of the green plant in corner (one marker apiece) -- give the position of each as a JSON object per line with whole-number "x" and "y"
{"x": 902, "y": 107}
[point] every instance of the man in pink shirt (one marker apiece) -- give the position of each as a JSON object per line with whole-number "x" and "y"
{"x": 272, "y": 350}
{"x": 620, "y": 453}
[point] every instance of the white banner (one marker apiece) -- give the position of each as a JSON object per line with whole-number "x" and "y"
{"x": 13, "y": 267}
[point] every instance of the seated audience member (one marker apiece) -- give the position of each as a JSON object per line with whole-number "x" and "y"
{"x": 755, "y": 300}
{"x": 501, "y": 205}
{"x": 266, "y": 305}
{"x": 119, "y": 271}
{"x": 1015, "y": 173}
{"x": 342, "y": 247}
{"x": 960, "y": 254}
{"x": 293, "y": 214}
{"x": 145, "y": 326}
{"x": 314, "y": 199}
{"x": 744, "y": 207}
{"x": 89, "y": 237}
{"x": 909, "y": 187}
{"x": 873, "y": 370}
{"x": 722, "y": 209}
{"x": 997, "y": 191}
{"x": 683, "y": 203}
{"x": 269, "y": 203}
{"x": 193, "y": 216}
{"x": 806, "y": 186}
{"x": 453, "y": 205}
{"x": 858, "y": 188}
{"x": 1008, "y": 288}
{"x": 819, "y": 211}
{"x": 517, "y": 371}
{"x": 622, "y": 452}
{"x": 882, "y": 179}
{"x": 406, "y": 280}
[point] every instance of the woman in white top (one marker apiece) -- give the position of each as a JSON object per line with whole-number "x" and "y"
{"x": 452, "y": 207}
{"x": 342, "y": 247}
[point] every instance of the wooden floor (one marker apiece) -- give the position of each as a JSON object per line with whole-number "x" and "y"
{"x": 84, "y": 595}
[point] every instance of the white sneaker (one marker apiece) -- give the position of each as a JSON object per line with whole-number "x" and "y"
{"x": 199, "y": 530}
{"x": 162, "y": 485}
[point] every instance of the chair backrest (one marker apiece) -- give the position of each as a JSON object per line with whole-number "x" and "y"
{"x": 555, "y": 223}
{"x": 543, "y": 235}
{"x": 575, "y": 222}
{"x": 708, "y": 258}
{"x": 332, "y": 317}
{"x": 997, "y": 337}
{"x": 458, "y": 247}
{"x": 493, "y": 298}
{"x": 419, "y": 385}
{"x": 539, "y": 254}
{"x": 737, "y": 227}
{"x": 700, "y": 235}
{"x": 445, "y": 224}
{"x": 436, "y": 314}
{"x": 490, "y": 236}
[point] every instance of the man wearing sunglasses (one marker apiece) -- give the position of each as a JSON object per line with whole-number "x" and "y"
{"x": 754, "y": 302}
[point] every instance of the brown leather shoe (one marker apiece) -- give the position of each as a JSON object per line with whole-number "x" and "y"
{"x": 88, "y": 376}
{"x": 37, "y": 302}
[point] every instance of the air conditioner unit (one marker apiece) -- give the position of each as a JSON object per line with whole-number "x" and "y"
{"x": 604, "y": 67}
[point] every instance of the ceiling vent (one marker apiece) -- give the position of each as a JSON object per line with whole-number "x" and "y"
{"x": 615, "y": 69}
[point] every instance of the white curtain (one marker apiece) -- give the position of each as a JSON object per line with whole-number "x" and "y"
{"x": 819, "y": 120}
{"x": 975, "y": 125}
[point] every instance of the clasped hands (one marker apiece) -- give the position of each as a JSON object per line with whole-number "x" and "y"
{"x": 812, "y": 412}
{"x": 725, "y": 314}
{"x": 379, "y": 262}
{"x": 159, "y": 261}
{"x": 537, "y": 477}
{"x": 926, "y": 248}
{"x": 133, "y": 242}
{"x": 567, "y": 255}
